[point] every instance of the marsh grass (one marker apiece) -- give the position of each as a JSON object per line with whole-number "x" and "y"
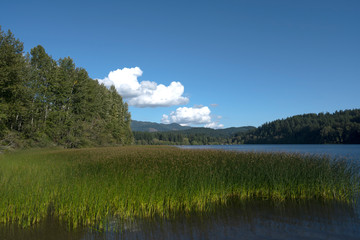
{"x": 88, "y": 187}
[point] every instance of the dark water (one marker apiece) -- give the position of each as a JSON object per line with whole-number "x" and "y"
{"x": 246, "y": 220}
{"x": 349, "y": 151}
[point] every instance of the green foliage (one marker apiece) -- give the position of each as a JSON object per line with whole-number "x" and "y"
{"x": 13, "y": 94}
{"x": 44, "y": 102}
{"x": 339, "y": 127}
{"x": 90, "y": 186}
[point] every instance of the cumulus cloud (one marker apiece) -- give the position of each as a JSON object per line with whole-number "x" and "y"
{"x": 144, "y": 93}
{"x": 198, "y": 115}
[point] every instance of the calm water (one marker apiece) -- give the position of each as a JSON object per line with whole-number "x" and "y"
{"x": 251, "y": 220}
{"x": 351, "y": 151}
{"x": 246, "y": 220}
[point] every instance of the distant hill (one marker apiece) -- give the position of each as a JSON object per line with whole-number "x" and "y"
{"x": 226, "y": 132}
{"x": 175, "y": 134}
{"x": 140, "y": 126}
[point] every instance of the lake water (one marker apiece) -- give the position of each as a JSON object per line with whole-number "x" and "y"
{"x": 245, "y": 220}
{"x": 350, "y": 151}
{"x": 250, "y": 220}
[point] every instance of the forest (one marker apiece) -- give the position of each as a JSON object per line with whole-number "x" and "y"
{"x": 322, "y": 128}
{"x": 190, "y": 136}
{"x": 46, "y": 102}
{"x": 178, "y": 138}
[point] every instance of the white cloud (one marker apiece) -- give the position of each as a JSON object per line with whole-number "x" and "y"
{"x": 145, "y": 93}
{"x": 191, "y": 116}
{"x": 214, "y": 125}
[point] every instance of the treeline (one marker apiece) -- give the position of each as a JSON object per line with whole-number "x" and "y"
{"x": 44, "y": 102}
{"x": 192, "y": 136}
{"x": 178, "y": 138}
{"x": 322, "y": 128}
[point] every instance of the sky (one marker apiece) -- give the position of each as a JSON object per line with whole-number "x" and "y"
{"x": 207, "y": 63}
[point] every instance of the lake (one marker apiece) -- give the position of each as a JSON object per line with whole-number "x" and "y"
{"x": 350, "y": 151}
{"x": 256, "y": 219}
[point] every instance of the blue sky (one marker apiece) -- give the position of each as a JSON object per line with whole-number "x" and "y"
{"x": 205, "y": 63}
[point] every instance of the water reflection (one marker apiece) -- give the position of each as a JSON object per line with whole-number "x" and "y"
{"x": 50, "y": 229}
{"x": 250, "y": 220}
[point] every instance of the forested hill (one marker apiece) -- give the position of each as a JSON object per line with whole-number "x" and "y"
{"x": 339, "y": 127}
{"x": 192, "y": 136}
{"x": 140, "y": 126}
{"x": 225, "y": 132}
{"x": 47, "y": 102}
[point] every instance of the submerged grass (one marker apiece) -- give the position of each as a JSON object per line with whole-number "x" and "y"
{"x": 89, "y": 186}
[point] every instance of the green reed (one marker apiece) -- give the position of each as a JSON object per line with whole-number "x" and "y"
{"x": 90, "y": 186}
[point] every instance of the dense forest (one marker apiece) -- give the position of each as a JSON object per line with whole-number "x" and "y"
{"x": 44, "y": 102}
{"x": 322, "y": 128}
{"x": 191, "y": 136}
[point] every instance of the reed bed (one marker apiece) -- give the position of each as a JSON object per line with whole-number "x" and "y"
{"x": 88, "y": 187}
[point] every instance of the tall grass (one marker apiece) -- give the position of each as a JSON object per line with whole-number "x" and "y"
{"x": 89, "y": 186}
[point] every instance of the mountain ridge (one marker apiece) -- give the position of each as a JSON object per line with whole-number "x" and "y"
{"x": 144, "y": 126}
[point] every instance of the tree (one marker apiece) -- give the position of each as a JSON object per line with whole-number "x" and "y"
{"x": 42, "y": 77}
{"x": 13, "y": 92}
{"x": 46, "y": 101}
